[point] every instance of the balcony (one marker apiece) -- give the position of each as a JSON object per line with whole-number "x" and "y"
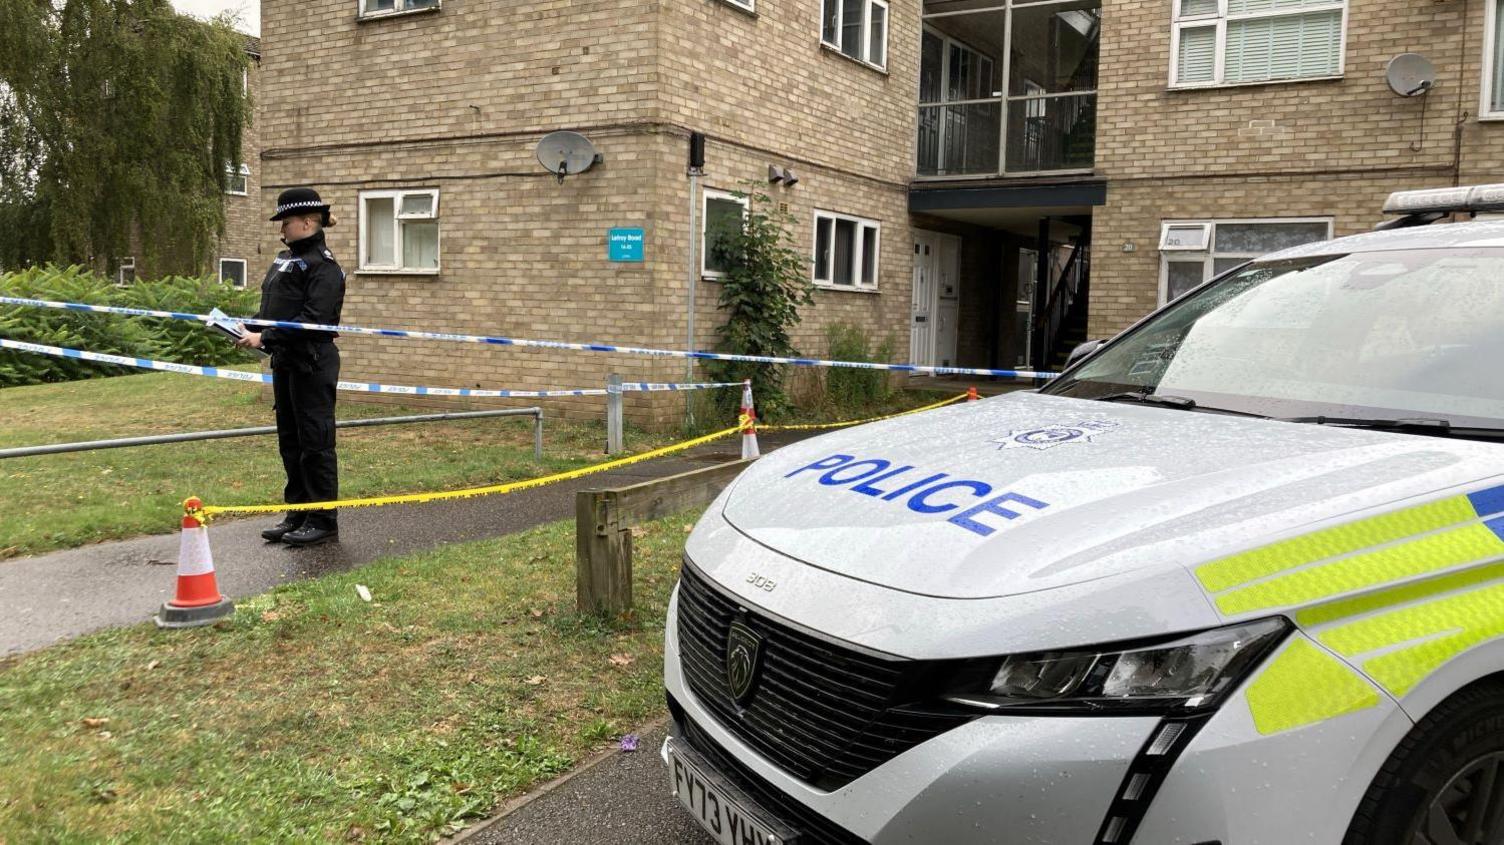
{"x": 1008, "y": 88}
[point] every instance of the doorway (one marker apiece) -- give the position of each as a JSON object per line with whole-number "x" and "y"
{"x": 936, "y": 306}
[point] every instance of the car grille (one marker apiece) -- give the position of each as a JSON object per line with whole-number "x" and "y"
{"x": 813, "y": 828}
{"x": 825, "y": 714}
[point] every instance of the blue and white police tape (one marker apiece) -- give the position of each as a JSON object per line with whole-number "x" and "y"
{"x": 356, "y": 386}
{"x": 916, "y": 369}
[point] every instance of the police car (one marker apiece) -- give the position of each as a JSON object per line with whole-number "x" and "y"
{"x": 1235, "y": 577}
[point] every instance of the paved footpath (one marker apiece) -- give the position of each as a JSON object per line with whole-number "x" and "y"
{"x": 623, "y": 799}
{"x": 61, "y": 595}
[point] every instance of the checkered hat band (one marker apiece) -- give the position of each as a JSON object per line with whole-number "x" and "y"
{"x": 304, "y": 204}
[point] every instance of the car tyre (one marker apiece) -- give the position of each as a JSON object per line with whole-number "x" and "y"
{"x": 1444, "y": 783}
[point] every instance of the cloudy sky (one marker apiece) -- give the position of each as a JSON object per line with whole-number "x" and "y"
{"x": 249, "y": 11}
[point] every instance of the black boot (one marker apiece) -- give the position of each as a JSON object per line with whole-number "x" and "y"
{"x": 311, "y": 535}
{"x": 281, "y": 529}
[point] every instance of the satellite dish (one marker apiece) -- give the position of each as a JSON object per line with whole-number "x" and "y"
{"x": 566, "y": 153}
{"x": 1410, "y": 74}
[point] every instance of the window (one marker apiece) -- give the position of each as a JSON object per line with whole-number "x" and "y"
{"x": 376, "y": 8}
{"x": 125, "y": 271}
{"x": 1226, "y": 42}
{"x": 1493, "y": 62}
{"x": 744, "y": 5}
{"x": 232, "y": 271}
{"x": 237, "y": 180}
{"x": 1007, "y": 87}
{"x": 723, "y": 215}
{"x": 846, "y": 251}
{"x": 1191, "y": 252}
{"x": 399, "y": 231}
{"x": 857, "y": 28}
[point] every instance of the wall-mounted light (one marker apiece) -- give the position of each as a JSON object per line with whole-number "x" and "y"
{"x": 789, "y": 178}
{"x": 774, "y": 174}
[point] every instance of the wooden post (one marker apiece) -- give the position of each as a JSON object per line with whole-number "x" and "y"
{"x": 603, "y": 554}
{"x": 603, "y": 529}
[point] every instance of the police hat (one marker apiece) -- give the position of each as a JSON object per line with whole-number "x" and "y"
{"x": 300, "y": 201}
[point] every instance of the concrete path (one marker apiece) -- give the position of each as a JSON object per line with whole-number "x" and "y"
{"x": 58, "y": 596}
{"x": 624, "y": 799}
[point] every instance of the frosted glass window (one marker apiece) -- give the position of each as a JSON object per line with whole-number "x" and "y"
{"x": 399, "y": 231}
{"x": 381, "y": 231}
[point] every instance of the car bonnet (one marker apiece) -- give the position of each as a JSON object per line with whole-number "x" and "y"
{"x": 1028, "y": 492}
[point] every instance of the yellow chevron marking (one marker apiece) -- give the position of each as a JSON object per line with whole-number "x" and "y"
{"x": 1439, "y": 630}
{"x": 1251, "y": 565}
{"x": 1323, "y": 614}
{"x": 1430, "y": 553}
{"x": 1303, "y": 685}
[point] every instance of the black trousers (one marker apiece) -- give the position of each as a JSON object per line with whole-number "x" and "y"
{"x": 304, "y": 399}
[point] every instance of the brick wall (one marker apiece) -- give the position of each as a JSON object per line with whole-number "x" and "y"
{"x": 245, "y": 225}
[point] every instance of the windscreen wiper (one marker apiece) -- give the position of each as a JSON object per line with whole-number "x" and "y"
{"x": 1167, "y": 400}
{"x": 1416, "y": 425}
{"x": 1433, "y": 424}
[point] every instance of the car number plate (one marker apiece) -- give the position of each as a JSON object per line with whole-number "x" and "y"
{"x": 726, "y": 814}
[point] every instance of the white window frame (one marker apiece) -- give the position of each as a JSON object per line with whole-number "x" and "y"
{"x": 241, "y": 262}
{"x": 1486, "y": 111}
{"x": 1220, "y": 19}
{"x": 749, "y": 6}
{"x": 396, "y": 195}
{"x": 1208, "y": 258}
{"x": 708, "y": 195}
{"x": 862, "y": 223}
{"x": 866, "y": 37}
{"x": 243, "y": 173}
{"x": 126, "y": 262}
{"x": 399, "y": 7}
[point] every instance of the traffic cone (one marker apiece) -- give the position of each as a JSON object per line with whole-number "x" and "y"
{"x": 971, "y": 394}
{"x": 198, "y": 601}
{"x": 748, "y": 422}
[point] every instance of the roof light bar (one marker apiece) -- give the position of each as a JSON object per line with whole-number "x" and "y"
{"x": 1474, "y": 198}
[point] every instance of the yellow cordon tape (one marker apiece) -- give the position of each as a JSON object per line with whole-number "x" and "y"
{"x": 208, "y": 511}
{"x": 819, "y": 426}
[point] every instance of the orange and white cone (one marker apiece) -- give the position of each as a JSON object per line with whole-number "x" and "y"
{"x": 748, "y": 422}
{"x": 971, "y": 394}
{"x": 198, "y": 601}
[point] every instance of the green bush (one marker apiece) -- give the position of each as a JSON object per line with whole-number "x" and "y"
{"x": 849, "y": 389}
{"x": 143, "y": 337}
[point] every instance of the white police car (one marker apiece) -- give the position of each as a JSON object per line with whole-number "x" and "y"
{"x": 1237, "y": 577}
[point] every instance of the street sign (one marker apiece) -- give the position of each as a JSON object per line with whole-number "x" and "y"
{"x": 625, "y": 244}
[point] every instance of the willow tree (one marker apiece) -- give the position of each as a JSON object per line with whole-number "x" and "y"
{"x": 116, "y": 117}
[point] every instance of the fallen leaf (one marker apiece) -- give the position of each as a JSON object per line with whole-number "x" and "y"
{"x": 639, "y": 531}
{"x": 688, "y": 528}
{"x": 535, "y": 680}
{"x": 152, "y": 665}
{"x": 537, "y": 612}
{"x": 95, "y": 722}
{"x": 363, "y": 592}
{"x": 105, "y": 734}
{"x": 270, "y": 616}
{"x": 622, "y": 659}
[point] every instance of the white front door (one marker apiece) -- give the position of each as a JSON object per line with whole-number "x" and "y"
{"x": 922, "y": 320}
{"x": 947, "y": 298}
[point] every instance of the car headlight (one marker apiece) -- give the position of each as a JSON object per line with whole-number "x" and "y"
{"x": 1190, "y": 672}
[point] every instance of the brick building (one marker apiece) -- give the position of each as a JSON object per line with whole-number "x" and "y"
{"x": 238, "y": 257}
{"x": 981, "y": 181}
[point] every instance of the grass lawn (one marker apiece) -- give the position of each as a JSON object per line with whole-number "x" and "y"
{"x": 312, "y": 715}
{"x": 60, "y": 501}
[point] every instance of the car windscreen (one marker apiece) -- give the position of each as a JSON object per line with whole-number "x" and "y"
{"x": 1415, "y": 333}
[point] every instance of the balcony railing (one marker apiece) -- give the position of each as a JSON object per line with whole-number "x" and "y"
{"x": 1047, "y": 133}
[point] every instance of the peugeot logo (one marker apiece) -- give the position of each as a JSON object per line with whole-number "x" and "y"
{"x": 743, "y": 647}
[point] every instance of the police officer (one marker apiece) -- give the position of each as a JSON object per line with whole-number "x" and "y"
{"x": 304, "y": 285}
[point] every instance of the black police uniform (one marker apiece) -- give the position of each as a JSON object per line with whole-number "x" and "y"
{"x": 305, "y": 285}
